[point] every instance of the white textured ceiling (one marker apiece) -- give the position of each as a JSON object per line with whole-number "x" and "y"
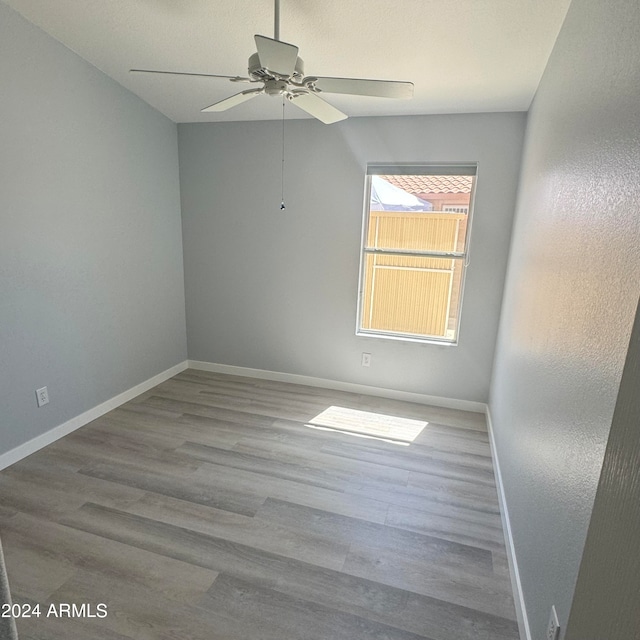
{"x": 462, "y": 55}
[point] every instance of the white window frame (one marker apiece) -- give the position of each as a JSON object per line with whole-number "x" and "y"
{"x": 462, "y": 168}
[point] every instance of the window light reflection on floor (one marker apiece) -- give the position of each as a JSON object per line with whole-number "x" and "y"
{"x": 366, "y": 424}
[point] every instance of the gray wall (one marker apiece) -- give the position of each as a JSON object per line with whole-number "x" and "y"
{"x": 608, "y": 586}
{"x": 276, "y": 290}
{"x": 571, "y": 292}
{"x": 91, "y": 278}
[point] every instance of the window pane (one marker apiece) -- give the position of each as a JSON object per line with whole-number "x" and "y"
{"x": 419, "y": 212}
{"x": 412, "y": 295}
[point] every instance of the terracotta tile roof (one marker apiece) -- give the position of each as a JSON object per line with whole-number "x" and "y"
{"x": 431, "y": 184}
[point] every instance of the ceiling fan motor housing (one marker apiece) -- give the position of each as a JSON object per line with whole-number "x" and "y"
{"x": 258, "y": 72}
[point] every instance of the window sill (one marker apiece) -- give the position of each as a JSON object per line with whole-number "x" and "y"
{"x": 407, "y": 338}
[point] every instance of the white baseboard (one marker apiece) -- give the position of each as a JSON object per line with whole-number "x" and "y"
{"x": 33, "y": 445}
{"x": 516, "y": 584}
{"x": 407, "y": 396}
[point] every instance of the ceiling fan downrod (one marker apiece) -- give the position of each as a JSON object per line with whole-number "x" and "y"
{"x": 276, "y": 20}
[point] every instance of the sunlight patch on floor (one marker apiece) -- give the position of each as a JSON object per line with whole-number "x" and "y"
{"x": 367, "y": 424}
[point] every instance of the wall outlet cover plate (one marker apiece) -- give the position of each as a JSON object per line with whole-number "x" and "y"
{"x": 42, "y": 396}
{"x": 553, "y": 628}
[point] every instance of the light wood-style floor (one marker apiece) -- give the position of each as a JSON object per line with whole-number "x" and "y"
{"x": 208, "y": 508}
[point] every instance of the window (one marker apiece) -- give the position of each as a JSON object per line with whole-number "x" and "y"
{"x": 414, "y": 251}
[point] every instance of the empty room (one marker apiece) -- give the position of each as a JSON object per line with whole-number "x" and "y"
{"x": 319, "y": 320}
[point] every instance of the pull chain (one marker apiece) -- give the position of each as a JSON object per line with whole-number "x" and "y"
{"x": 282, "y": 183}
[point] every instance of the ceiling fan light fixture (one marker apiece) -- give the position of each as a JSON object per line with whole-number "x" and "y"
{"x": 275, "y": 87}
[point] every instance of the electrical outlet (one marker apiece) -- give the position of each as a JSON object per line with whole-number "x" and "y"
{"x": 42, "y": 396}
{"x": 553, "y": 628}
{"x": 366, "y": 359}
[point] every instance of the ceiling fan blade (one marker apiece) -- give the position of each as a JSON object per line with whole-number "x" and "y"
{"x": 278, "y": 57}
{"x": 362, "y": 87}
{"x": 317, "y": 107}
{"x": 181, "y": 73}
{"x": 234, "y": 100}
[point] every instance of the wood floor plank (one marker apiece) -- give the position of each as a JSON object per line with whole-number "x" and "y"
{"x": 447, "y": 439}
{"x": 405, "y": 610}
{"x": 63, "y": 550}
{"x": 309, "y": 455}
{"x": 95, "y": 447}
{"x": 238, "y": 387}
{"x": 128, "y": 423}
{"x": 33, "y": 573}
{"x": 277, "y": 469}
{"x": 140, "y": 614}
{"x": 127, "y": 428}
{"x": 453, "y": 486}
{"x": 462, "y": 469}
{"x": 394, "y": 568}
{"x": 290, "y": 542}
{"x": 193, "y": 547}
{"x": 420, "y": 498}
{"x": 428, "y": 550}
{"x": 468, "y": 420}
{"x": 211, "y": 507}
{"x": 268, "y": 614}
{"x": 35, "y": 487}
{"x": 209, "y": 411}
{"x": 249, "y": 483}
{"x": 7, "y": 512}
{"x": 67, "y": 628}
{"x": 500, "y": 562}
{"x": 22, "y": 495}
{"x": 458, "y": 525}
{"x": 326, "y": 434}
{"x": 184, "y": 486}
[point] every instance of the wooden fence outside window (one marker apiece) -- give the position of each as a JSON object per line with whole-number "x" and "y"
{"x": 413, "y": 294}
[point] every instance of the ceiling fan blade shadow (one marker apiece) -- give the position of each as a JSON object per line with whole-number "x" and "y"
{"x": 278, "y": 57}
{"x": 234, "y": 100}
{"x": 363, "y": 87}
{"x": 183, "y": 73}
{"x": 317, "y": 107}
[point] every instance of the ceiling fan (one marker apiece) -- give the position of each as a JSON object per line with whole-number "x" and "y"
{"x": 279, "y": 71}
